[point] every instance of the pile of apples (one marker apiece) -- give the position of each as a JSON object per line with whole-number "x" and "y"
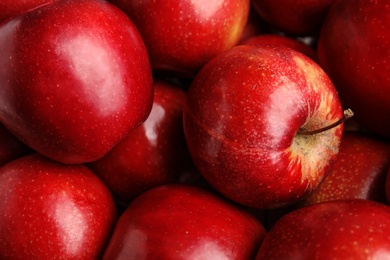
{"x": 193, "y": 129}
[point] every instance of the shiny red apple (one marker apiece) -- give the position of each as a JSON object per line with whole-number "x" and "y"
{"x": 184, "y": 222}
{"x": 75, "y": 78}
{"x": 354, "y": 49}
{"x": 302, "y": 17}
{"x": 11, "y": 8}
{"x": 49, "y": 210}
{"x": 343, "y": 229}
{"x": 182, "y": 35}
{"x": 359, "y": 171}
{"x": 154, "y": 153}
{"x": 249, "y": 121}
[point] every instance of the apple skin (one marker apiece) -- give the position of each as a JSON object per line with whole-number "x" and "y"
{"x": 358, "y": 172}
{"x": 182, "y": 35}
{"x": 10, "y": 147}
{"x": 353, "y": 48}
{"x": 11, "y": 8}
{"x": 184, "y": 222}
{"x": 302, "y": 17}
{"x": 154, "y": 153}
{"x": 50, "y": 210}
{"x": 241, "y": 118}
{"x": 75, "y": 79}
{"x": 287, "y": 41}
{"x": 343, "y": 229}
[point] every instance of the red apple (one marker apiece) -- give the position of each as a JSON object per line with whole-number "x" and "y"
{"x": 303, "y": 17}
{"x": 75, "y": 78}
{"x": 354, "y": 49}
{"x": 343, "y": 229}
{"x": 248, "y": 121}
{"x": 358, "y": 172}
{"x": 287, "y": 41}
{"x": 11, "y": 8}
{"x": 50, "y": 210}
{"x": 153, "y": 154}
{"x": 184, "y": 222}
{"x": 10, "y": 147}
{"x": 182, "y": 35}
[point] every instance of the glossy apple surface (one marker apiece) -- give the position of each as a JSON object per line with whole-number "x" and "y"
{"x": 75, "y": 79}
{"x": 344, "y": 229}
{"x": 10, "y": 147}
{"x": 50, "y": 210}
{"x": 243, "y": 118}
{"x": 11, "y": 8}
{"x": 353, "y": 48}
{"x": 297, "y": 17}
{"x": 358, "y": 172}
{"x": 182, "y": 35}
{"x": 184, "y": 222}
{"x": 154, "y": 153}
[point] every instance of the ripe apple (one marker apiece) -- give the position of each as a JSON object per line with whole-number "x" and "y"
{"x": 10, "y": 147}
{"x": 249, "y": 121}
{"x": 11, "y": 8}
{"x": 184, "y": 222}
{"x": 154, "y": 153}
{"x": 50, "y": 210}
{"x": 358, "y": 172}
{"x": 75, "y": 78}
{"x": 343, "y": 229}
{"x": 272, "y": 38}
{"x": 182, "y": 35}
{"x": 354, "y": 50}
{"x": 304, "y": 17}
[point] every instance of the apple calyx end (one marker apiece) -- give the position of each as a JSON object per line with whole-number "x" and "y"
{"x": 348, "y": 113}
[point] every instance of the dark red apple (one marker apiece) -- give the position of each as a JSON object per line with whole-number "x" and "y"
{"x": 184, "y": 222}
{"x": 297, "y": 17}
{"x": 10, "y": 147}
{"x": 11, "y": 8}
{"x": 75, "y": 78}
{"x": 50, "y": 210}
{"x": 154, "y": 153}
{"x": 343, "y": 229}
{"x": 182, "y": 35}
{"x": 248, "y": 119}
{"x": 287, "y": 41}
{"x": 354, "y": 49}
{"x": 358, "y": 172}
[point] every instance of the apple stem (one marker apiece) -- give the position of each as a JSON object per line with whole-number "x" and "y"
{"x": 348, "y": 113}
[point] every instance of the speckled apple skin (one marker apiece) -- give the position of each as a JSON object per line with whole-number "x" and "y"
{"x": 50, "y": 210}
{"x": 184, "y": 222}
{"x": 359, "y": 171}
{"x": 75, "y": 78}
{"x": 241, "y": 118}
{"x": 344, "y": 229}
{"x": 353, "y": 48}
{"x": 181, "y": 36}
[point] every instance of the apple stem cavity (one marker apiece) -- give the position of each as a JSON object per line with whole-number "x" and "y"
{"x": 348, "y": 113}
